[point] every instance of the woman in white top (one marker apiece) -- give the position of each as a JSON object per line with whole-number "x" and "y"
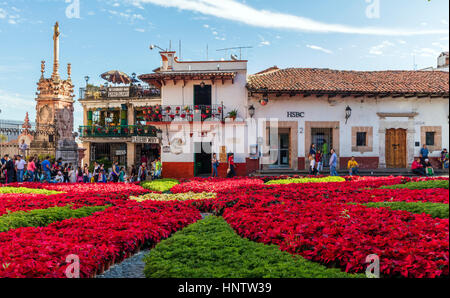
{"x": 72, "y": 175}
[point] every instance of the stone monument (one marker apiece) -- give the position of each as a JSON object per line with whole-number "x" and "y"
{"x": 54, "y": 112}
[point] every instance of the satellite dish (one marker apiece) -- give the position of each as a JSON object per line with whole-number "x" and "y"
{"x": 234, "y": 57}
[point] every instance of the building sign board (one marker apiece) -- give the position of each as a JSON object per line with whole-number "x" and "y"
{"x": 121, "y": 152}
{"x": 118, "y": 92}
{"x": 296, "y": 114}
{"x": 145, "y": 140}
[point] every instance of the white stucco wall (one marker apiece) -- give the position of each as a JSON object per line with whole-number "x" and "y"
{"x": 431, "y": 112}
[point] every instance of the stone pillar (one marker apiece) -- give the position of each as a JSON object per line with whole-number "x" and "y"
{"x": 131, "y": 115}
{"x": 87, "y": 153}
{"x": 131, "y": 154}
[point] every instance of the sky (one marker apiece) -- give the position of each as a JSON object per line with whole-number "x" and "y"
{"x": 101, "y": 35}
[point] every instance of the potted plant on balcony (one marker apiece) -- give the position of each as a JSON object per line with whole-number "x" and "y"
{"x": 197, "y": 109}
{"x": 168, "y": 109}
{"x": 177, "y": 110}
{"x": 232, "y": 114}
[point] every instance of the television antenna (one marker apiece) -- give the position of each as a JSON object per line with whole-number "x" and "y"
{"x": 235, "y": 48}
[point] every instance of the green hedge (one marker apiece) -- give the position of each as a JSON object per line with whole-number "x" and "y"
{"x": 44, "y": 217}
{"x": 434, "y": 209}
{"x": 162, "y": 185}
{"x": 306, "y": 180}
{"x": 420, "y": 185}
{"x": 25, "y": 190}
{"x": 211, "y": 249}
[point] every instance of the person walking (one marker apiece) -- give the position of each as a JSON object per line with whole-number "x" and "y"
{"x": 47, "y": 169}
{"x": 31, "y": 169}
{"x": 319, "y": 161}
{"x": 215, "y": 166}
{"x": 143, "y": 172}
{"x": 20, "y": 168}
{"x": 9, "y": 167}
{"x": 72, "y": 175}
{"x": 231, "y": 166}
{"x": 23, "y": 147}
{"x": 325, "y": 151}
{"x": 158, "y": 168}
{"x": 333, "y": 163}
{"x": 80, "y": 175}
{"x": 86, "y": 174}
{"x": 122, "y": 175}
{"x": 133, "y": 174}
{"x": 115, "y": 171}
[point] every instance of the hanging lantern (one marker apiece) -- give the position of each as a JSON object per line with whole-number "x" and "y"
{"x": 265, "y": 100}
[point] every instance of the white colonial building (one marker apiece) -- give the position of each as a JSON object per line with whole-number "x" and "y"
{"x": 192, "y": 109}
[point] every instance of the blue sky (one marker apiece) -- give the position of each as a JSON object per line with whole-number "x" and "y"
{"x": 116, "y": 34}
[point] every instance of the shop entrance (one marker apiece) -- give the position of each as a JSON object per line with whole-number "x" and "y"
{"x": 323, "y": 139}
{"x": 147, "y": 153}
{"x": 282, "y": 152}
{"x": 203, "y": 158}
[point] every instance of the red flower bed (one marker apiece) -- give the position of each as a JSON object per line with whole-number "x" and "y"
{"x": 215, "y": 185}
{"x": 82, "y": 187}
{"x": 343, "y": 235}
{"x": 25, "y": 202}
{"x": 99, "y": 240}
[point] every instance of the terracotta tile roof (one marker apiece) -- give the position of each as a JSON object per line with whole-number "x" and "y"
{"x": 335, "y": 81}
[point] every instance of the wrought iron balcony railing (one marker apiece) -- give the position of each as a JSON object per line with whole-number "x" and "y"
{"x": 94, "y": 92}
{"x": 187, "y": 113}
{"x": 120, "y": 131}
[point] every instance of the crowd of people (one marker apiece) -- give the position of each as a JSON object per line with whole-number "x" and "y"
{"x": 17, "y": 169}
{"x": 422, "y": 166}
{"x": 318, "y": 157}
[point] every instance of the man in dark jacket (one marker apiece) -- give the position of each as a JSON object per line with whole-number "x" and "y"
{"x": 9, "y": 166}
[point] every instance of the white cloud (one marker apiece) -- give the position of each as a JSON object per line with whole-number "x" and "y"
{"x": 380, "y": 49}
{"x": 241, "y": 12}
{"x": 444, "y": 22}
{"x": 2, "y": 13}
{"x": 139, "y": 30}
{"x": 317, "y": 48}
{"x": 15, "y": 105}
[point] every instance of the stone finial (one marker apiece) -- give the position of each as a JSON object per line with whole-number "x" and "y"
{"x": 69, "y": 70}
{"x": 26, "y": 123}
{"x": 42, "y": 68}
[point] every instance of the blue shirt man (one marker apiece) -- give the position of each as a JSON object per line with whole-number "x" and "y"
{"x": 46, "y": 167}
{"x": 424, "y": 151}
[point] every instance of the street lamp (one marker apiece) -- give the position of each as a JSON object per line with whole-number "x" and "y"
{"x": 348, "y": 114}
{"x": 153, "y": 46}
{"x": 87, "y": 80}
{"x": 251, "y": 111}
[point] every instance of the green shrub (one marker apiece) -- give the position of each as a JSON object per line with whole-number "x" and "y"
{"x": 162, "y": 185}
{"x": 25, "y": 190}
{"x": 211, "y": 249}
{"x": 420, "y": 185}
{"x": 434, "y": 209}
{"x": 306, "y": 180}
{"x": 44, "y": 217}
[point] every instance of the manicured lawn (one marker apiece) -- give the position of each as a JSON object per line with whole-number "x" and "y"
{"x": 44, "y": 217}
{"x": 420, "y": 185}
{"x": 211, "y": 249}
{"x": 436, "y": 210}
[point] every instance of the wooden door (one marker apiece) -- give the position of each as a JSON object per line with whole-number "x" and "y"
{"x": 396, "y": 148}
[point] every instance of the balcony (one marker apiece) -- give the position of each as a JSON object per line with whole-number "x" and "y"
{"x": 188, "y": 113}
{"x": 120, "y": 131}
{"x": 136, "y": 91}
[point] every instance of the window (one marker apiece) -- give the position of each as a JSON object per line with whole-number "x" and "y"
{"x": 429, "y": 137}
{"x": 361, "y": 139}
